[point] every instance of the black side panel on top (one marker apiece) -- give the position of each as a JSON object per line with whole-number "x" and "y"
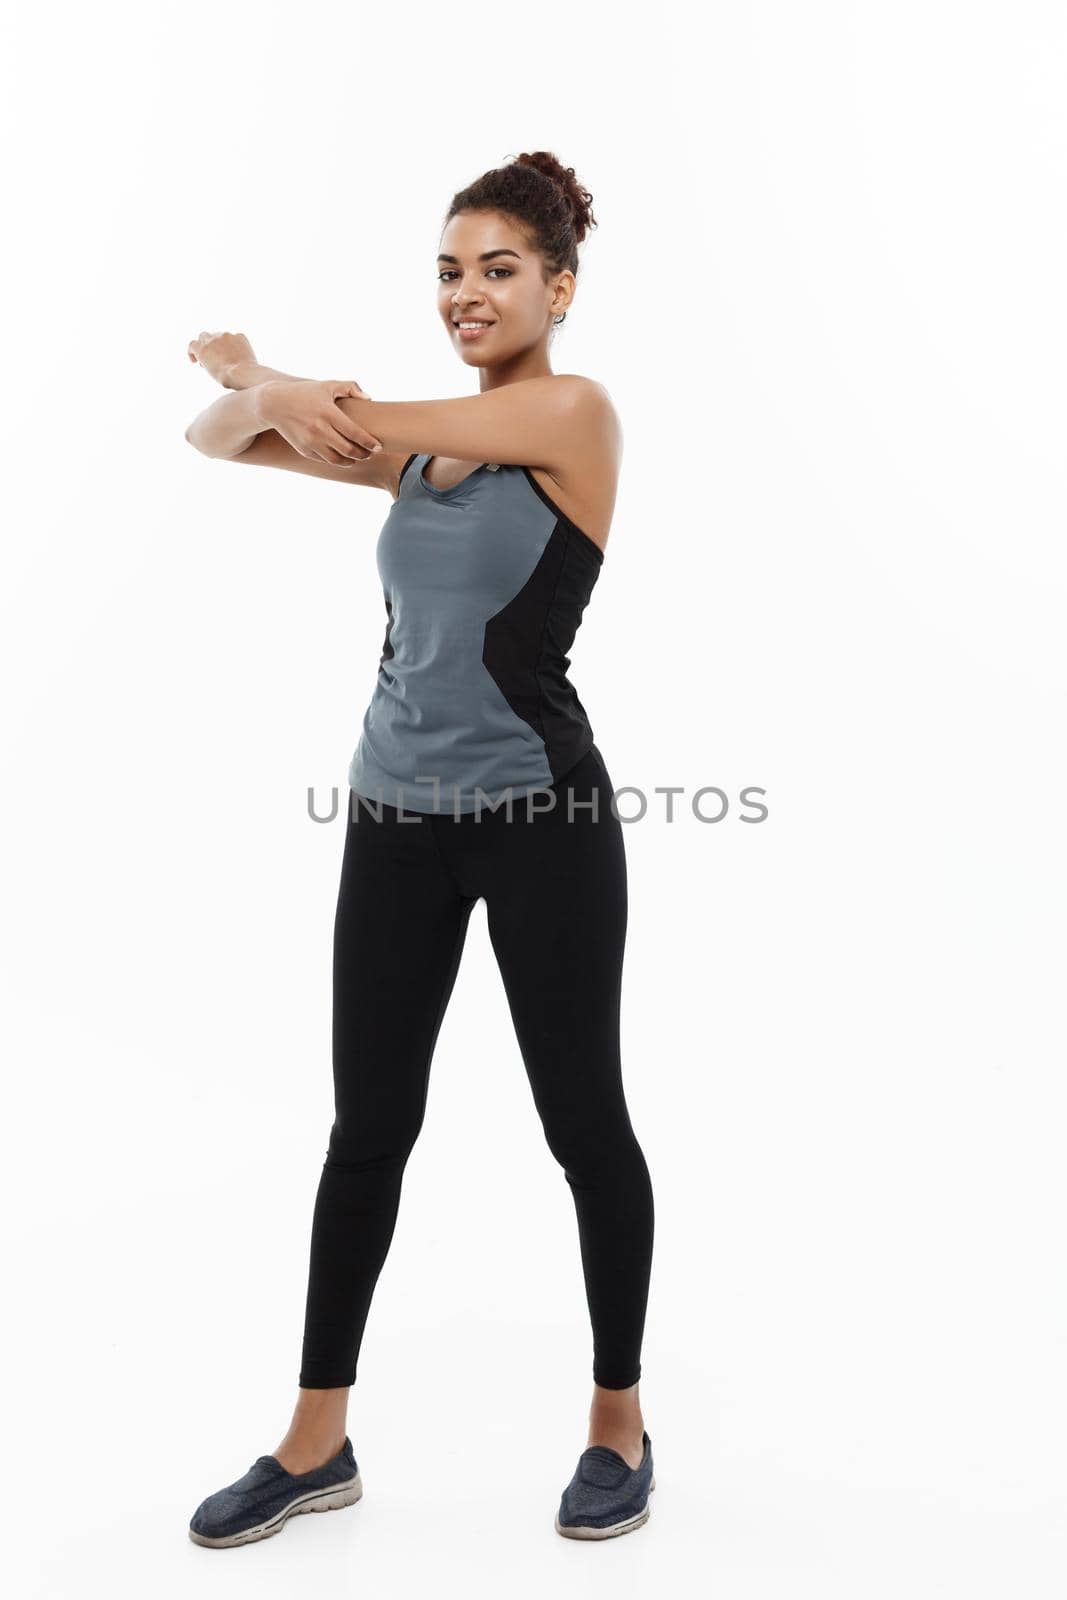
{"x": 526, "y": 642}
{"x": 387, "y": 649}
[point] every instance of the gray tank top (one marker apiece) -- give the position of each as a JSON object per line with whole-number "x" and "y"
{"x": 485, "y": 584}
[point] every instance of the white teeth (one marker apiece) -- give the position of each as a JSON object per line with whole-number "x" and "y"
{"x": 472, "y": 324}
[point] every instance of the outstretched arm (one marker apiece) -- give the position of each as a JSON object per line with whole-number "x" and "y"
{"x": 231, "y": 361}
{"x": 536, "y": 422}
{"x": 246, "y": 374}
{"x": 273, "y": 419}
{"x": 305, "y": 432}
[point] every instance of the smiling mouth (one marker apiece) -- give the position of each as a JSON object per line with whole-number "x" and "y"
{"x": 471, "y": 322}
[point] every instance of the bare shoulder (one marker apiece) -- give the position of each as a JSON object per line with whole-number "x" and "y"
{"x": 584, "y": 483}
{"x": 580, "y": 398}
{"x": 595, "y": 424}
{"x": 586, "y": 395}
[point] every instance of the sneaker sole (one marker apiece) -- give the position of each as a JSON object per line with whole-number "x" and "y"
{"x": 340, "y": 1494}
{"x": 627, "y": 1526}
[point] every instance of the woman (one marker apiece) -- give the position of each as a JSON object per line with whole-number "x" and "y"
{"x": 476, "y": 776}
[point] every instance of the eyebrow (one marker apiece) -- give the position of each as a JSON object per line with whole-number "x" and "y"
{"x": 486, "y": 255}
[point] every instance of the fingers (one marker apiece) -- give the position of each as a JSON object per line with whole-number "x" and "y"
{"x": 350, "y": 449}
{"x": 341, "y": 423}
{"x": 349, "y": 388}
{"x": 324, "y": 453}
{"x": 196, "y": 345}
{"x": 340, "y": 426}
{"x": 348, "y": 428}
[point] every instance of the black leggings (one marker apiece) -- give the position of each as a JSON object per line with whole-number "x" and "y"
{"x": 554, "y": 884}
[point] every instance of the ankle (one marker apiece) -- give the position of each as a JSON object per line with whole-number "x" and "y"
{"x": 303, "y": 1431}
{"x": 631, "y": 1429}
{"x": 616, "y": 1407}
{"x": 318, "y": 1426}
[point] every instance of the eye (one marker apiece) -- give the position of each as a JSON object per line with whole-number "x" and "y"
{"x": 448, "y": 273}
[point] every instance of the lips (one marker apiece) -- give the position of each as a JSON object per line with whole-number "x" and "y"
{"x": 469, "y": 335}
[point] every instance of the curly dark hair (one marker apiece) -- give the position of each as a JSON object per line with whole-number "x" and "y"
{"x": 544, "y": 197}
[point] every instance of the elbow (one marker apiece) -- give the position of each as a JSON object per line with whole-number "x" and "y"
{"x": 194, "y": 438}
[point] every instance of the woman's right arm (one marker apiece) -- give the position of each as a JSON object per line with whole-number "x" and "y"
{"x": 231, "y": 361}
{"x": 272, "y": 419}
{"x": 229, "y": 425}
{"x": 246, "y": 374}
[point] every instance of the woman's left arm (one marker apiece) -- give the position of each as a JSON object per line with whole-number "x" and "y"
{"x": 536, "y": 422}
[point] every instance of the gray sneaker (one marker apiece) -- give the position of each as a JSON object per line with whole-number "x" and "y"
{"x": 606, "y": 1496}
{"x": 259, "y": 1504}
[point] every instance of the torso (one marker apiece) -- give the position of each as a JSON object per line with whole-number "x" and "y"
{"x": 485, "y": 577}
{"x": 589, "y": 506}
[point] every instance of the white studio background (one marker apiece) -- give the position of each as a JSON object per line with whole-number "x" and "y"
{"x": 826, "y": 294}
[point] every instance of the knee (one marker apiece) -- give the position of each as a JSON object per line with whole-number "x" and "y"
{"x": 356, "y": 1146}
{"x": 594, "y": 1148}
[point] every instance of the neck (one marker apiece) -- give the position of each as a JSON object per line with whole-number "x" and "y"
{"x": 527, "y": 364}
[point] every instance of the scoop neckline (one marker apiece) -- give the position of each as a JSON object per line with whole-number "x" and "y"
{"x": 542, "y": 494}
{"x": 453, "y": 488}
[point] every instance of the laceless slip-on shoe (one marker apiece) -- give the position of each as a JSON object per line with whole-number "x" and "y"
{"x": 259, "y": 1503}
{"x": 606, "y": 1496}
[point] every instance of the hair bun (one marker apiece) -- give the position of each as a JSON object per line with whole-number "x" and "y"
{"x": 581, "y": 200}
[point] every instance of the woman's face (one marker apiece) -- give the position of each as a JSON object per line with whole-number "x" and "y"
{"x": 487, "y": 273}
